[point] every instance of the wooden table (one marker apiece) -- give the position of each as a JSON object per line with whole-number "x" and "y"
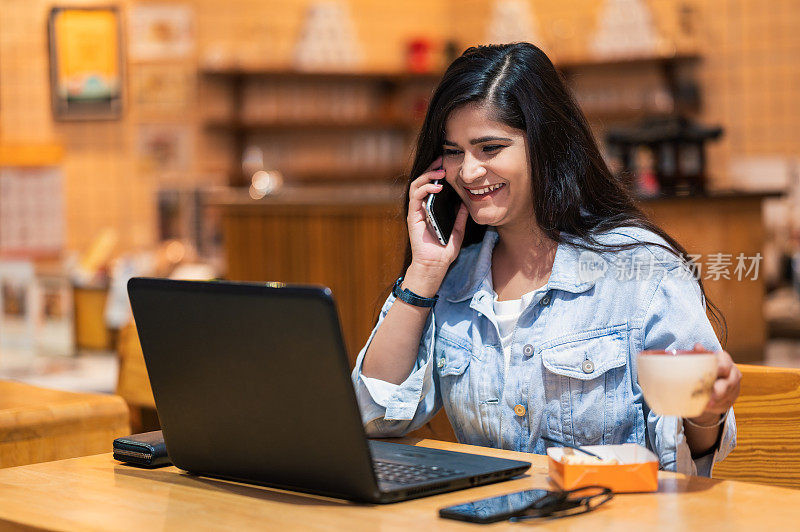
{"x": 98, "y": 493}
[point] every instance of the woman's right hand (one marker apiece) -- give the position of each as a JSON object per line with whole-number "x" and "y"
{"x": 429, "y": 258}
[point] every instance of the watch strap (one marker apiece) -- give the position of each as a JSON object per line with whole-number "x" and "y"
{"x": 407, "y": 296}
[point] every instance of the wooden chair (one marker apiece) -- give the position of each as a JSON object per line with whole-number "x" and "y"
{"x": 438, "y": 428}
{"x": 40, "y": 425}
{"x": 133, "y": 384}
{"x": 767, "y": 421}
{"x": 768, "y": 425}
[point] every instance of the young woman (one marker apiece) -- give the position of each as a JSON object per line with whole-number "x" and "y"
{"x": 528, "y": 322}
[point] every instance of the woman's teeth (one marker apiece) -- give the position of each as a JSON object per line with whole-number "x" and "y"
{"x": 485, "y": 190}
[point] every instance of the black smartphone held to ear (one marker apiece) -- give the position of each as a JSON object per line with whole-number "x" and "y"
{"x": 441, "y": 209}
{"x": 500, "y": 508}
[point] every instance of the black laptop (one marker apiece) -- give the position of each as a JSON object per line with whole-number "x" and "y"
{"x": 251, "y": 383}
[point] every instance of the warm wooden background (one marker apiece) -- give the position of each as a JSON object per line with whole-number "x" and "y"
{"x": 749, "y": 76}
{"x": 355, "y": 251}
{"x": 729, "y": 225}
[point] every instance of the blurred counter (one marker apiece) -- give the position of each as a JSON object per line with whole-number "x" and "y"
{"x": 718, "y": 228}
{"x": 361, "y": 194}
{"x": 349, "y": 238}
{"x": 352, "y": 239}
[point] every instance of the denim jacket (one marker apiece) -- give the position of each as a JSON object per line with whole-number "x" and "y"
{"x": 572, "y": 373}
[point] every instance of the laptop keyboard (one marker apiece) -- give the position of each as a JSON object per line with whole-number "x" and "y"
{"x": 410, "y": 474}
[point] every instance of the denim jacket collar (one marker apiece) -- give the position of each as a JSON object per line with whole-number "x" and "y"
{"x": 564, "y": 275}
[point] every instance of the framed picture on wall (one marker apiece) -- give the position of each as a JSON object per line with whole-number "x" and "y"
{"x": 86, "y": 66}
{"x": 160, "y": 31}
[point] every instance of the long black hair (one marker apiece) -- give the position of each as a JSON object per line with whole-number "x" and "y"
{"x": 574, "y": 193}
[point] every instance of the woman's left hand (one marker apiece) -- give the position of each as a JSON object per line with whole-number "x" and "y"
{"x": 725, "y": 390}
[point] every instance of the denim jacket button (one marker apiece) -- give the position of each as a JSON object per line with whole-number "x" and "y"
{"x": 545, "y": 300}
{"x": 588, "y": 366}
{"x": 440, "y": 363}
{"x": 527, "y": 350}
{"x": 519, "y": 410}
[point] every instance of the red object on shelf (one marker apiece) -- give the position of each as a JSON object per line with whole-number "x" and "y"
{"x": 420, "y": 52}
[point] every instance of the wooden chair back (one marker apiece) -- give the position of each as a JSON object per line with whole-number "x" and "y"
{"x": 768, "y": 425}
{"x": 132, "y": 383}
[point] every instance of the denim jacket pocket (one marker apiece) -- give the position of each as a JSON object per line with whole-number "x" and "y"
{"x": 452, "y": 355}
{"x": 458, "y": 385}
{"x": 588, "y": 387}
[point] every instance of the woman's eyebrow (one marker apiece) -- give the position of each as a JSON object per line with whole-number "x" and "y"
{"x": 478, "y": 140}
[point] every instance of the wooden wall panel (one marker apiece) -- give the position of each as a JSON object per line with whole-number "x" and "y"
{"x": 730, "y": 226}
{"x": 355, "y": 251}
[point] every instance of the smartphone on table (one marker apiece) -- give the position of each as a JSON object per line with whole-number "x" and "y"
{"x": 441, "y": 210}
{"x": 500, "y": 508}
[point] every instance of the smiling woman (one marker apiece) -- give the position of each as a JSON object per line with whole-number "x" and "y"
{"x": 492, "y": 172}
{"x": 501, "y": 326}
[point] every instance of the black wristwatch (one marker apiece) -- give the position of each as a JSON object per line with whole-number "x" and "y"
{"x": 407, "y": 296}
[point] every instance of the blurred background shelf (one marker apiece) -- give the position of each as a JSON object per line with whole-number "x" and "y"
{"x": 337, "y": 176}
{"x": 275, "y": 126}
{"x": 265, "y": 103}
{"x": 401, "y": 76}
{"x": 356, "y": 115}
{"x": 320, "y": 76}
{"x": 665, "y": 61}
{"x": 619, "y": 115}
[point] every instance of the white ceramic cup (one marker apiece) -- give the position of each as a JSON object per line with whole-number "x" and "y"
{"x": 677, "y": 383}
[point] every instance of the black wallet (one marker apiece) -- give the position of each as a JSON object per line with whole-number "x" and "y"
{"x": 147, "y": 449}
